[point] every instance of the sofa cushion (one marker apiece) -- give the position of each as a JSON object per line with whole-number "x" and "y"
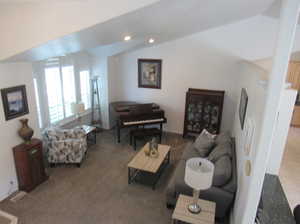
{"x": 204, "y": 143}
{"x": 189, "y": 152}
{"x": 222, "y": 149}
{"x": 223, "y": 171}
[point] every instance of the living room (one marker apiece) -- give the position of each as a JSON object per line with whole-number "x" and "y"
{"x": 189, "y": 55}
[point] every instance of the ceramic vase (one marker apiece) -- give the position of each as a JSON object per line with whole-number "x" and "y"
{"x": 25, "y": 132}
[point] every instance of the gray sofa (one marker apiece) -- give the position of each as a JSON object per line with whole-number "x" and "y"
{"x": 223, "y": 195}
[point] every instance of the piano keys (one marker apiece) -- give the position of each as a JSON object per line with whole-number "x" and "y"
{"x": 127, "y": 123}
{"x": 130, "y": 114}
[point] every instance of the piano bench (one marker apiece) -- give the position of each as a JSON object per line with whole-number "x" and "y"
{"x": 144, "y": 132}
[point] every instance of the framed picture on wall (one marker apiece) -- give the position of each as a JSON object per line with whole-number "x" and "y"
{"x": 149, "y": 73}
{"x": 243, "y": 107}
{"x": 14, "y": 102}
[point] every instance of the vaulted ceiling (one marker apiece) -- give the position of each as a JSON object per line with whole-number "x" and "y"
{"x": 163, "y": 20}
{"x": 26, "y": 24}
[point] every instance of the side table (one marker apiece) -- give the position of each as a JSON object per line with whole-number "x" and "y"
{"x": 181, "y": 212}
{"x": 91, "y": 135}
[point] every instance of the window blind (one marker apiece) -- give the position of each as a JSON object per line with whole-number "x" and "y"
{"x": 54, "y": 93}
{"x": 85, "y": 88}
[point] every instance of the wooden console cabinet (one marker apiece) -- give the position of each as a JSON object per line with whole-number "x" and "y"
{"x": 29, "y": 164}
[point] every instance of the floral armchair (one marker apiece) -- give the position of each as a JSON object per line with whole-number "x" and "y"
{"x": 65, "y": 145}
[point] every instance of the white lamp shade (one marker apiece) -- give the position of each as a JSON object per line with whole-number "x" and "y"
{"x": 199, "y": 173}
{"x": 78, "y": 108}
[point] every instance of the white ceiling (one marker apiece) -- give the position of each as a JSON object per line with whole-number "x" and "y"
{"x": 165, "y": 20}
{"x": 31, "y": 24}
{"x": 249, "y": 39}
{"x": 253, "y": 38}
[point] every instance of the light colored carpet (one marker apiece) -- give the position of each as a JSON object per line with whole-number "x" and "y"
{"x": 98, "y": 192}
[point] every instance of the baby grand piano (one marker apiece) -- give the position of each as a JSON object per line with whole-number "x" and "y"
{"x": 128, "y": 114}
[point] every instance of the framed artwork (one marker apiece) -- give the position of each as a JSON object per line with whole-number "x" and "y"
{"x": 14, "y": 102}
{"x": 149, "y": 73}
{"x": 243, "y": 107}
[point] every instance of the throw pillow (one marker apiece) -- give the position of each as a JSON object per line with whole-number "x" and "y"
{"x": 220, "y": 150}
{"x": 222, "y": 171}
{"x": 204, "y": 143}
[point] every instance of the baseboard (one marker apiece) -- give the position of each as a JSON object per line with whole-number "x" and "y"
{"x": 6, "y": 195}
{"x": 2, "y": 197}
{"x": 13, "y": 219}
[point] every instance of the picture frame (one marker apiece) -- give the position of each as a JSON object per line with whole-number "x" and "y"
{"x": 14, "y": 102}
{"x": 243, "y": 107}
{"x": 149, "y": 73}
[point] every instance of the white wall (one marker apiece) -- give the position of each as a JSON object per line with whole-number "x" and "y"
{"x": 186, "y": 63}
{"x": 265, "y": 63}
{"x": 281, "y": 130}
{"x": 49, "y": 20}
{"x": 12, "y": 75}
{"x": 250, "y": 76}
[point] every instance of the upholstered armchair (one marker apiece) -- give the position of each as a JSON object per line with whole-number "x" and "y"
{"x": 65, "y": 145}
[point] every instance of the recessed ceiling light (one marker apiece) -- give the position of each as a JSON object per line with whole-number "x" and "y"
{"x": 151, "y": 41}
{"x": 127, "y": 38}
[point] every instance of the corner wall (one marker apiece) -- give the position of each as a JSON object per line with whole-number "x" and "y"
{"x": 186, "y": 63}
{"x": 250, "y": 79}
{"x": 13, "y": 75}
{"x": 285, "y": 113}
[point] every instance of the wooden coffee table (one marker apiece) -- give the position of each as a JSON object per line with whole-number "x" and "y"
{"x": 181, "y": 212}
{"x": 147, "y": 170}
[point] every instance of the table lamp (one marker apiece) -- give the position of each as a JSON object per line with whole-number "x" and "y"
{"x": 77, "y": 109}
{"x": 198, "y": 175}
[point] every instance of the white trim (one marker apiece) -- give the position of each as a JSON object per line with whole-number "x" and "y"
{"x": 13, "y": 219}
{"x": 10, "y": 192}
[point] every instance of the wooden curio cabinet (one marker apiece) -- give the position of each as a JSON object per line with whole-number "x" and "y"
{"x": 203, "y": 110}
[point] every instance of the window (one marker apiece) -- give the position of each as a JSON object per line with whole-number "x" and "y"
{"x": 85, "y": 87}
{"x": 61, "y": 92}
{"x": 54, "y": 92}
{"x": 60, "y": 82}
{"x": 68, "y": 89}
{"x": 37, "y": 102}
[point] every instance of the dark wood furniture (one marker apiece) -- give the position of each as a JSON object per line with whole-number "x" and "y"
{"x": 132, "y": 114}
{"x": 141, "y": 133}
{"x": 203, "y": 110}
{"x": 29, "y": 164}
